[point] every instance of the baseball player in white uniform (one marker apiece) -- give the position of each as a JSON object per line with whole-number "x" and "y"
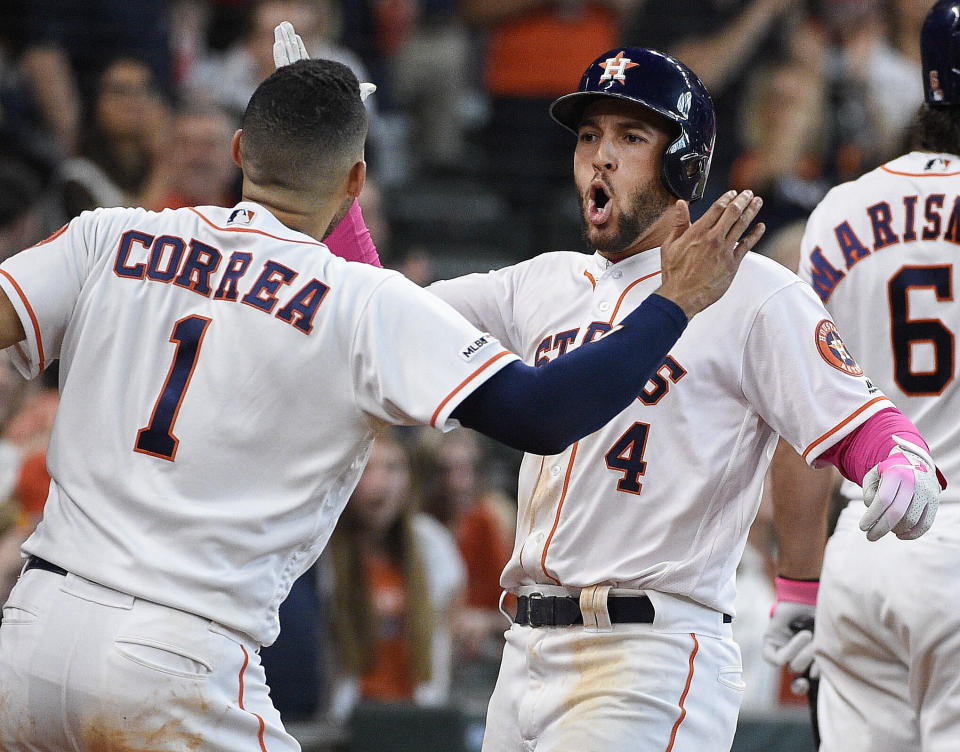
{"x": 880, "y": 252}
{"x": 628, "y": 541}
{"x": 222, "y": 376}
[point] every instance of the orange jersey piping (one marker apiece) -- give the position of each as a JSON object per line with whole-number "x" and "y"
{"x": 626, "y": 290}
{"x": 920, "y": 174}
{"x": 556, "y": 519}
{"x": 462, "y": 384}
{"x": 33, "y": 317}
{"x": 841, "y": 424}
{"x": 251, "y": 229}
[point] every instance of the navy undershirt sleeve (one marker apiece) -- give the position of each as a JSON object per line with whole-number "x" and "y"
{"x": 544, "y": 410}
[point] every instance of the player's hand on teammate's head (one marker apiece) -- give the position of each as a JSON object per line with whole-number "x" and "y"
{"x": 901, "y": 493}
{"x": 700, "y": 260}
{"x": 288, "y": 47}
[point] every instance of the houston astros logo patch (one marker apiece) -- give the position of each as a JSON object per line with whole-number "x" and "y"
{"x": 833, "y": 350}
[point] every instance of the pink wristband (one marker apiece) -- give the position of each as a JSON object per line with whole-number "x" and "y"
{"x": 798, "y": 591}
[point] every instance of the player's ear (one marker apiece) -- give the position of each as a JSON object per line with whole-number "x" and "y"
{"x": 235, "y": 148}
{"x": 356, "y": 178}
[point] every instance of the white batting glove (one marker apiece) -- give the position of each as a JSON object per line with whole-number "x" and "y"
{"x": 287, "y": 45}
{"x": 901, "y": 493}
{"x": 288, "y": 48}
{"x": 788, "y": 640}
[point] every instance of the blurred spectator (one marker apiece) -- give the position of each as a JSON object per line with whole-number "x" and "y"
{"x": 61, "y": 47}
{"x": 397, "y": 578}
{"x": 230, "y": 78}
{"x": 482, "y": 519}
{"x": 122, "y": 144}
{"x": 21, "y": 218}
{"x": 418, "y": 38}
{"x": 197, "y": 169}
{"x": 91, "y": 33}
{"x": 873, "y": 86}
{"x": 535, "y": 51}
{"x": 906, "y": 20}
{"x": 722, "y": 41}
{"x": 784, "y": 127}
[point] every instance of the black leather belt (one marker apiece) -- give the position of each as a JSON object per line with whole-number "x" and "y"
{"x": 35, "y": 562}
{"x": 538, "y": 610}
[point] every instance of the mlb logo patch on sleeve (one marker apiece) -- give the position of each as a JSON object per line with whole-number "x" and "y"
{"x": 472, "y": 350}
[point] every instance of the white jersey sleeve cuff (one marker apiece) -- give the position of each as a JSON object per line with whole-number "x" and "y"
{"x": 26, "y": 355}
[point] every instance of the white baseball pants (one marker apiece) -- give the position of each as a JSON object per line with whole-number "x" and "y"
{"x": 86, "y": 668}
{"x": 674, "y": 686}
{"x": 888, "y": 639}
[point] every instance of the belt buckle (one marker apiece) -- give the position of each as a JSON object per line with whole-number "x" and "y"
{"x": 531, "y": 599}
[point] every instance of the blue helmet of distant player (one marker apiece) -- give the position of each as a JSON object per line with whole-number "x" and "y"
{"x": 940, "y": 54}
{"x": 666, "y": 86}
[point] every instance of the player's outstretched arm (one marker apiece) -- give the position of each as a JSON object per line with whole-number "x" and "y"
{"x": 800, "y": 495}
{"x": 699, "y": 260}
{"x": 544, "y": 410}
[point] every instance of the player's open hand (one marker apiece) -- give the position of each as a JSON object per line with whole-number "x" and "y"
{"x": 288, "y": 47}
{"x": 700, "y": 260}
{"x": 901, "y": 493}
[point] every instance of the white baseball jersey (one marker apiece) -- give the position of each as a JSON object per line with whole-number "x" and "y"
{"x": 881, "y": 253}
{"x": 663, "y": 496}
{"x": 221, "y": 377}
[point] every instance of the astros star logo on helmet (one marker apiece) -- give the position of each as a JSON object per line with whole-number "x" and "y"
{"x": 615, "y": 67}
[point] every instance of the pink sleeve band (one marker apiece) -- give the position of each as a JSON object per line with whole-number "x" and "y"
{"x": 797, "y": 591}
{"x": 871, "y": 443}
{"x": 351, "y": 239}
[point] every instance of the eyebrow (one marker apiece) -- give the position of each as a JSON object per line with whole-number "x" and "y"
{"x": 627, "y": 123}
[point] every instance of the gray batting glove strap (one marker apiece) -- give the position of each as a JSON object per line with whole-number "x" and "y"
{"x": 901, "y": 493}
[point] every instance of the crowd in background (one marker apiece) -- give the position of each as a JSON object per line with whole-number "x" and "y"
{"x": 133, "y": 102}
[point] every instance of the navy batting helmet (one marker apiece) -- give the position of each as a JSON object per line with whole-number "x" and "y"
{"x": 664, "y": 85}
{"x": 940, "y": 53}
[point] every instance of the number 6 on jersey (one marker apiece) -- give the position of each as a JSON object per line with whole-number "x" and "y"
{"x": 157, "y": 437}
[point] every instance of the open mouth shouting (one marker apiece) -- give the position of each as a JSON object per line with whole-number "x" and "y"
{"x": 599, "y": 205}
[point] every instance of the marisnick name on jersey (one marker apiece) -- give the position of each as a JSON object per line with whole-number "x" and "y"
{"x": 901, "y": 222}
{"x": 194, "y": 266}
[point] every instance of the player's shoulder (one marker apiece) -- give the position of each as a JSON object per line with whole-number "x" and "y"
{"x": 916, "y": 167}
{"x": 551, "y": 262}
{"x": 762, "y": 272}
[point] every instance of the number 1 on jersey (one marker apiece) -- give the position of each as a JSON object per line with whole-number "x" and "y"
{"x": 157, "y": 438}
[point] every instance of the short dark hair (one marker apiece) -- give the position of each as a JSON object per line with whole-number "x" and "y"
{"x": 303, "y": 125}
{"x": 937, "y": 129}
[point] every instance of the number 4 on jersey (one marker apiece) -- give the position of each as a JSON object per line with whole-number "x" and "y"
{"x": 626, "y": 456}
{"x": 157, "y": 438}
